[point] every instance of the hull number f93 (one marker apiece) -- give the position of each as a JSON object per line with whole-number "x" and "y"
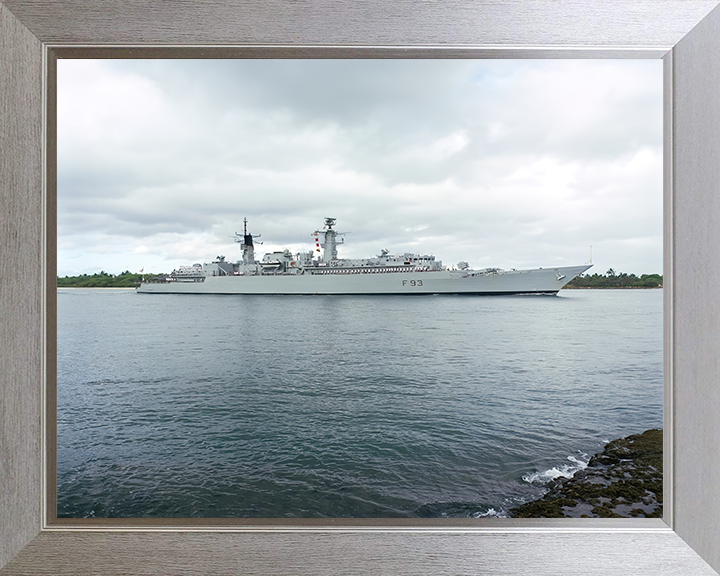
{"x": 412, "y": 282}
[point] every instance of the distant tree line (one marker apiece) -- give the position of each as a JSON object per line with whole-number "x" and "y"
{"x": 611, "y": 279}
{"x": 129, "y": 280}
{"x": 104, "y": 280}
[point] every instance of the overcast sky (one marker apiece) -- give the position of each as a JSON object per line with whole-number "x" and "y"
{"x": 504, "y": 163}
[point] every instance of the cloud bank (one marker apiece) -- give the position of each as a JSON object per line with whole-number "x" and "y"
{"x": 498, "y": 162}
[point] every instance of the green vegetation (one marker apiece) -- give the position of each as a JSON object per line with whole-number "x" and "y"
{"x": 104, "y": 280}
{"x": 129, "y": 280}
{"x": 613, "y": 280}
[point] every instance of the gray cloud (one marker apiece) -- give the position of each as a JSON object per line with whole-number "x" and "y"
{"x": 501, "y": 162}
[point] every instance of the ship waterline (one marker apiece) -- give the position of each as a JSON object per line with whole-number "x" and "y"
{"x": 310, "y": 274}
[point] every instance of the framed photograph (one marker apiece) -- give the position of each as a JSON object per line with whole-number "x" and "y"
{"x": 336, "y": 393}
{"x": 683, "y": 34}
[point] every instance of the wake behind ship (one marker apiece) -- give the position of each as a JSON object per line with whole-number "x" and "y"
{"x": 311, "y": 273}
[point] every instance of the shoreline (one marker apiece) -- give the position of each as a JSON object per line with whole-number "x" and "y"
{"x": 623, "y": 481}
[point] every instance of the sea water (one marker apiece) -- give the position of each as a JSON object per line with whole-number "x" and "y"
{"x": 343, "y": 406}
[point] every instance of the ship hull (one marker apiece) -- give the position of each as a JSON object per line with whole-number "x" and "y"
{"x": 534, "y": 281}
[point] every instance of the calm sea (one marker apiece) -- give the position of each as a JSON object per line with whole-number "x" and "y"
{"x": 343, "y": 406}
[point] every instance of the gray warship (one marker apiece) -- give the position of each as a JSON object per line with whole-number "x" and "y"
{"x": 316, "y": 272}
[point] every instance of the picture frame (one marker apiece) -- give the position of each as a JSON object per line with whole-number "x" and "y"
{"x": 685, "y": 33}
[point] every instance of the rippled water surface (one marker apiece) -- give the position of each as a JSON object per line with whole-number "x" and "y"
{"x": 333, "y": 406}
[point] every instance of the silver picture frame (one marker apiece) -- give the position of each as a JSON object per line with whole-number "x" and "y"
{"x": 684, "y": 33}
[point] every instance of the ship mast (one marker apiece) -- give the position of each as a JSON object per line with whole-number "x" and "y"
{"x": 246, "y": 244}
{"x": 330, "y": 244}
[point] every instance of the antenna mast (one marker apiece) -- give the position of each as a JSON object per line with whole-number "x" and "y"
{"x": 246, "y": 243}
{"x": 330, "y": 244}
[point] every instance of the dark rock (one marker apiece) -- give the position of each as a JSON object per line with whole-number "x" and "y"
{"x": 624, "y": 480}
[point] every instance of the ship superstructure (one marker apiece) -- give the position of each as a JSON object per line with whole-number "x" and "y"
{"x": 313, "y": 272}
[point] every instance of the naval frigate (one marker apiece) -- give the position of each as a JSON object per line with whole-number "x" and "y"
{"x": 316, "y": 272}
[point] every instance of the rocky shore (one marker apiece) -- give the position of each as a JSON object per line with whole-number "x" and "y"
{"x": 623, "y": 481}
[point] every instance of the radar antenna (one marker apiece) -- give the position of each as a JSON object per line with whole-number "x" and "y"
{"x": 245, "y": 238}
